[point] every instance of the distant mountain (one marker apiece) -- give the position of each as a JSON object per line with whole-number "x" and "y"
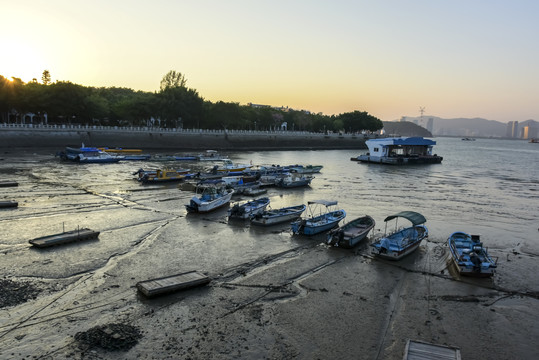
{"x": 405, "y": 128}
{"x": 476, "y": 127}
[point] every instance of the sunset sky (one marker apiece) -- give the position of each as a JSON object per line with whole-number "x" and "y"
{"x": 459, "y": 58}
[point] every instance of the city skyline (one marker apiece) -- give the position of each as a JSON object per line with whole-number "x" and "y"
{"x": 454, "y": 59}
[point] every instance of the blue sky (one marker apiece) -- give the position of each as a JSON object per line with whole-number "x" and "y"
{"x": 389, "y": 58}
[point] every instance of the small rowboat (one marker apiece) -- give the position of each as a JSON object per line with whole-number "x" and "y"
{"x": 351, "y": 234}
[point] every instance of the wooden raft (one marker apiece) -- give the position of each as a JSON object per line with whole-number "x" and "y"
{"x": 169, "y": 284}
{"x": 8, "y": 204}
{"x": 64, "y": 238}
{"x": 419, "y": 350}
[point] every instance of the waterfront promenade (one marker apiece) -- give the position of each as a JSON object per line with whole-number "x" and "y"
{"x": 32, "y": 135}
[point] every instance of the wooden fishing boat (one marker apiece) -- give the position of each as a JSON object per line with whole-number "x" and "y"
{"x": 162, "y": 175}
{"x": 469, "y": 255}
{"x": 278, "y": 216}
{"x": 351, "y": 233}
{"x": 211, "y": 195}
{"x": 323, "y": 215}
{"x": 64, "y": 238}
{"x": 402, "y": 241}
{"x": 248, "y": 209}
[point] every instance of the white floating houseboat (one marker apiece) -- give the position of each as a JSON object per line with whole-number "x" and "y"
{"x": 400, "y": 151}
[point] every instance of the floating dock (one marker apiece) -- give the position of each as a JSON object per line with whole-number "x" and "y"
{"x": 419, "y": 350}
{"x": 64, "y": 238}
{"x": 8, "y": 204}
{"x": 7, "y": 183}
{"x": 164, "y": 285}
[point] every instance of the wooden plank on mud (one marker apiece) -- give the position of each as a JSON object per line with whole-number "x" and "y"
{"x": 8, "y": 204}
{"x": 420, "y": 350}
{"x": 64, "y": 238}
{"x": 159, "y": 286}
{"x": 8, "y": 183}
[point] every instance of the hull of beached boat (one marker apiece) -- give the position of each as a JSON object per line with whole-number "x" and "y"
{"x": 196, "y": 205}
{"x": 278, "y": 216}
{"x": 351, "y": 234}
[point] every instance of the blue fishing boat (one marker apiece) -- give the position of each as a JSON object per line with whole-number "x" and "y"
{"x": 469, "y": 255}
{"x": 89, "y": 155}
{"x": 211, "y": 195}
{"x": 402, "y": 240}
{"x": 248, "y": 209}
{"x": 323, "y": 215}
{"x": 278, "y": 216}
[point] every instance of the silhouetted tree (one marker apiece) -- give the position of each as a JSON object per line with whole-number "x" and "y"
{"x": 173, "y": 79}
{"x": 46, "y": 77}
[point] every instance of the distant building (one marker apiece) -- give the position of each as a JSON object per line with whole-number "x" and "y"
{"x": 529, "y": 132}
{"x": 512, "y": 129}
{"x": 403, "y": 119}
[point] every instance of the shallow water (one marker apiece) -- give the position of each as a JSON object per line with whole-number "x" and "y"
{"x": 487, "y": 187}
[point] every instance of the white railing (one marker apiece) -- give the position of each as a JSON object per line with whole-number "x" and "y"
{"x": 78, "y": 127}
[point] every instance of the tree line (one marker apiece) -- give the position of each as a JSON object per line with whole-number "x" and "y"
{"x": 173, "y": 106}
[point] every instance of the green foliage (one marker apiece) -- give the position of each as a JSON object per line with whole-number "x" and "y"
{"x": 173, "y": 106}
{"x": 173, "y": 79}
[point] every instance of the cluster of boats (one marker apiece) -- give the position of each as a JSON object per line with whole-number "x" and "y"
{"x": 102, "y": 155}
{"x": 323, "y": 216}
{"x": 214, "y": 189}
{"x": 243, "y": 178}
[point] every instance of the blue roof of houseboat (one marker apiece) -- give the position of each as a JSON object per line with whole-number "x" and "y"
{"x": 403, "y": 141}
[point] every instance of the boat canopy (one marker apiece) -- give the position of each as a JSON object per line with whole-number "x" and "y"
{"x": 414, "y": 217}
{"x": 323, "y": 202}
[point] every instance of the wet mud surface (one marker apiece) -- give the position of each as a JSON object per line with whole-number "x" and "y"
{"x": 272, "y": 295}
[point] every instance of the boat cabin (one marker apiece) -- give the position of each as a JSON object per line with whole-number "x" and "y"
{"x": 400, "y": 151}
{"x": 400, "y": 146}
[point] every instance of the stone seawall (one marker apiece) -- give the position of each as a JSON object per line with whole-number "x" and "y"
{"x": 21, "y": 136}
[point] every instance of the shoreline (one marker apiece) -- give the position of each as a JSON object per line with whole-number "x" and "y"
{"x": 181, "y": 139}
